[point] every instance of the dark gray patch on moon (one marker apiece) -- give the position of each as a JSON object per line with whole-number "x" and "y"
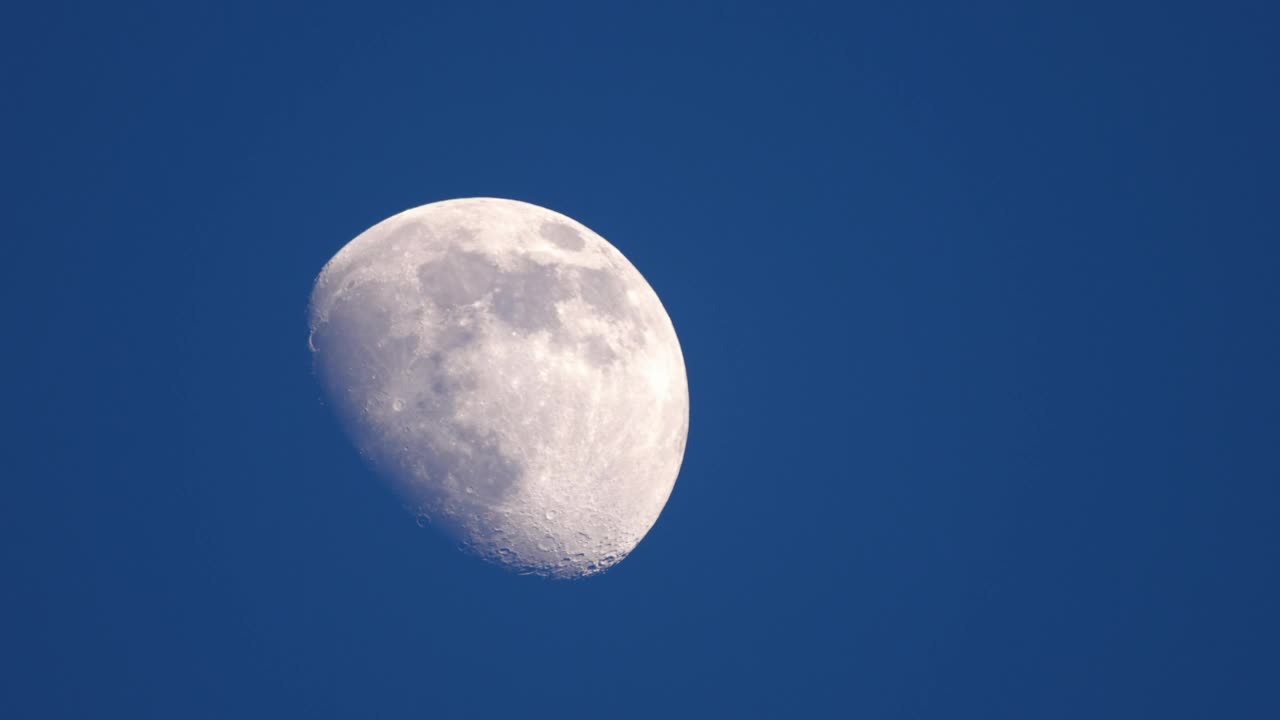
{"x": 430, "y": 386}
{"x": 597, "y": 351}
{"x": 451, "y": 337}
{"x": 603, "y": 290}
{"x": 459, "y": 278}
{"x": 562, "y": 235}
{"x": 473, "y": 464}
{"x": 455, "y": 455}
{"x": 526, "y": 298}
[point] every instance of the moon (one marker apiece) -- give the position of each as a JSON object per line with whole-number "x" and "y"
{"x": 511, "y": 375}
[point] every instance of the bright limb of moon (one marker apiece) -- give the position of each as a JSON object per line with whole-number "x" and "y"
{"x": 511, "y": 374}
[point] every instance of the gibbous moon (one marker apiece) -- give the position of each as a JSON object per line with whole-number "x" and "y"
{"x": 511, "y": 375}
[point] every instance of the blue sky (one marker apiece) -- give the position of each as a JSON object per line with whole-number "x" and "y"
{"x": 978, "y": 303}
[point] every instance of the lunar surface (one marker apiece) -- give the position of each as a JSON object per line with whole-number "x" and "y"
{"x": 511, "y": 375}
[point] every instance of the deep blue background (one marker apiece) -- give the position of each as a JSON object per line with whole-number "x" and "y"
{"x": 979, "y": 308}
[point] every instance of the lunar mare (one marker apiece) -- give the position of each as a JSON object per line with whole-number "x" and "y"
{"x": 511, "y": 374}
